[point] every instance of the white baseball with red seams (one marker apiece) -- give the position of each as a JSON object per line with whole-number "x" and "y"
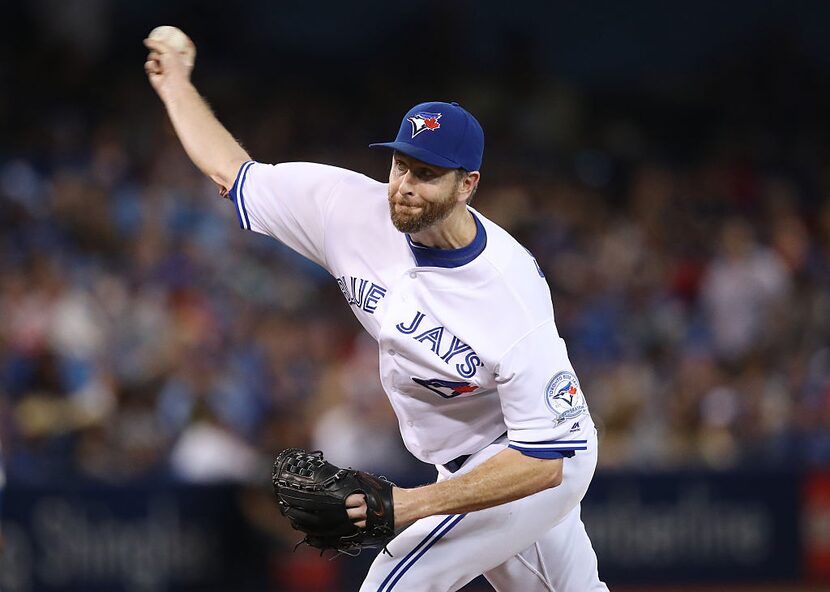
{"x": 469, "y": 352}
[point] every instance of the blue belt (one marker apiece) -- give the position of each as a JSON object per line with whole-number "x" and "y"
{"x": 457, "y": 462}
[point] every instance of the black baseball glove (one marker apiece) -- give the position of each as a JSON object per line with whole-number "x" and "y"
{"x": 312, "y": 493}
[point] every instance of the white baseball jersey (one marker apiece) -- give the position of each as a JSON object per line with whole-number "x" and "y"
{"x": 468, "y": 345}
{"x": 468, "y": 352}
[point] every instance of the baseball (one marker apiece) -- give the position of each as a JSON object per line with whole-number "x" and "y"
{"x": 178, "y": 40}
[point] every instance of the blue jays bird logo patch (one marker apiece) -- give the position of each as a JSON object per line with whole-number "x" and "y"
{"x": 564, "y": 397}
{"x": 446, "y": 388}
{"x": 424, "y": 121}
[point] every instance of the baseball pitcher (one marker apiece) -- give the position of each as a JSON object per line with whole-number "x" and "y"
{"x": 470, "y": 357}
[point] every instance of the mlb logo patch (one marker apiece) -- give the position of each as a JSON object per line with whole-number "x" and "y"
{"x": 424, "y": 121}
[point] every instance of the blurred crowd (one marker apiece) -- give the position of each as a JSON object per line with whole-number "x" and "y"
{"x": 143, "y": 335}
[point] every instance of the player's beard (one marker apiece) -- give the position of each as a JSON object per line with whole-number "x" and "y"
{"x": 431, "y": 213}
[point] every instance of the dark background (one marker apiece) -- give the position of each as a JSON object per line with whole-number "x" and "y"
{"x": 666, "y": 163}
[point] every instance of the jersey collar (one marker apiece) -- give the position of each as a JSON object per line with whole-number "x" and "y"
{"x": 434, "y": 257}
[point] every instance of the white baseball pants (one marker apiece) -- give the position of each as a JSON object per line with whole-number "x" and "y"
{"x": 535, "y": 544}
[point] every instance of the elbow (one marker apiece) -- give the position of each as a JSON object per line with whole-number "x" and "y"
{"x": 538, "y": 473}
{"x": 554, "y": 476}
{"x": 556, "y": 480}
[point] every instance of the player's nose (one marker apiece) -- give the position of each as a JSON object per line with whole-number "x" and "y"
{"x": 406, "y": 186}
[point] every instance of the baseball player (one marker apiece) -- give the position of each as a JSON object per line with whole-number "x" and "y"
{"x": 470, "y": 357}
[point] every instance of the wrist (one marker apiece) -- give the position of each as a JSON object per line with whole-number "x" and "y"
{"x": 408, "y": 507}
{"x": 176, "y": 90}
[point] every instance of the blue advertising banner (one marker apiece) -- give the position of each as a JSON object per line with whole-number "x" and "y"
{"x": 712, "y": 527}
{"x": 647, "y": 529}
{"x": 107, "y": 538}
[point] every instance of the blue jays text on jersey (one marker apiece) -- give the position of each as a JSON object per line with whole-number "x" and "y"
{"x": 361, "y": 293}
{"x": 442, "y": 344}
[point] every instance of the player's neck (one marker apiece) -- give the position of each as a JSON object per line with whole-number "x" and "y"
{"x": 456, "y": 231}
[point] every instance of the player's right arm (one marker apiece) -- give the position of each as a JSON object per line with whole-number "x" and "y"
{"x": 208, "y": 144}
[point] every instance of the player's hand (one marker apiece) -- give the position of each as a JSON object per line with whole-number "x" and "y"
{"x": 165, "y": 67}
{"x": 356, "y": 509}
{"x": 405, "y": 513}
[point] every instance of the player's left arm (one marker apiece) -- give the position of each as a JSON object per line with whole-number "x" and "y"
{"x": 508, "y": 476}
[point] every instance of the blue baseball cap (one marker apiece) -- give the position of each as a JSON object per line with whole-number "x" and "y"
{"x": 441, "y": 134}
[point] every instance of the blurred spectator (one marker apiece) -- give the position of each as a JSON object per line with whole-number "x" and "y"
{"x": 143, "y": 336}
{"x": 209, "y": 452}
{"x": 744, "y": 290}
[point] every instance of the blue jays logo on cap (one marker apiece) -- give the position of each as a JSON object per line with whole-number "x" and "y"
{"x": 458, "y": 143}
{"x": 424, "y": 121}
{"x": 446, "y": 388}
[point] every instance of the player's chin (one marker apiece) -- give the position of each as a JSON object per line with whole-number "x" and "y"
{"x": 406, "y": 223}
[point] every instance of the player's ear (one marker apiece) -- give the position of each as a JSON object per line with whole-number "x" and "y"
{"x": 467, "y": 184}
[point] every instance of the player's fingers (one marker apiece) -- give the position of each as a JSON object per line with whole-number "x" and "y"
{"x": 356, "y": 500}
{"x": 152, "y": 67}
{"x": 356, "y": 509}
{"x": 156, "y": 45}
{"x": 154, "y": 55}
{"x": 356, "y": 513}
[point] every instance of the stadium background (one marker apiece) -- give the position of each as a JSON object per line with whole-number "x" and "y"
{"x": 666, "y": 163}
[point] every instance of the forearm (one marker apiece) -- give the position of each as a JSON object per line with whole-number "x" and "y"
{"x": 209, "y": 145}
{"x": 506, "y": 477}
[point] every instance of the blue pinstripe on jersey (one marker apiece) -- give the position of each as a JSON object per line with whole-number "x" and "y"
{"x": 238, "y": 199}
{"x": 550, "y": 448}
{"x": 242, "y": 196}
{"x": 415, "y": 554}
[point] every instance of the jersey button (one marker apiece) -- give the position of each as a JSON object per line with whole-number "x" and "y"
{"x": 391, "y": 352}
{"x": 413, "y": 275}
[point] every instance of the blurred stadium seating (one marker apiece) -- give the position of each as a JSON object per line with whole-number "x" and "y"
{"x": 668, "y": 167}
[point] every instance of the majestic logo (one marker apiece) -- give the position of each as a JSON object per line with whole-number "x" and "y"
{"x": 424, "y": 121}
{"x": 564, "y": 398}
{"x": 446, "y": 388}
